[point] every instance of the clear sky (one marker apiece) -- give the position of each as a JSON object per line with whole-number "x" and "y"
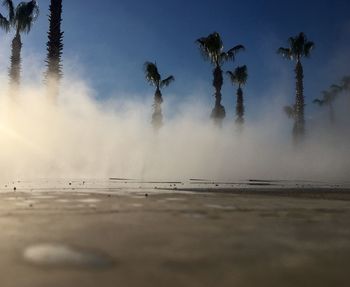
{"x": 111, "y": 39}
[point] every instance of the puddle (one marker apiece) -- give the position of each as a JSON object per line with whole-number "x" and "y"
{"x": 58, "y": 255}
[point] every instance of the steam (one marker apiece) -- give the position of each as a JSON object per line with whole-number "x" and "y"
{"x": 89, "y": 138}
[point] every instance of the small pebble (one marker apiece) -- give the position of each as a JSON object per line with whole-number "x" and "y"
{"x": 14, "y": 188}
{"x": 146, "y": 194}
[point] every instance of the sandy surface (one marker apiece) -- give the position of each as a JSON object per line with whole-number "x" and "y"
{"x": 93, "y": 234}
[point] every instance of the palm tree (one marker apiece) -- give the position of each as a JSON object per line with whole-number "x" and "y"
{"x": 54, "y": 49}
{"x": 299, "y": 47}
{"x": 212, "y": 49}
{"x": 21, "y": 19}
{"x": 154, "y": 78}
{"x": 327, "y": 99}
{"x": 239, "y": 78}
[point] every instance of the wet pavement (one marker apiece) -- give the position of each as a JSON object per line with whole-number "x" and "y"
{"x": 132, "y": 233}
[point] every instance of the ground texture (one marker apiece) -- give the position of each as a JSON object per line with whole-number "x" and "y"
{"x": 85, "y": 234}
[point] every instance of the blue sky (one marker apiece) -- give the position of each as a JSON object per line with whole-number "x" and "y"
{"x": 111, "y": 39}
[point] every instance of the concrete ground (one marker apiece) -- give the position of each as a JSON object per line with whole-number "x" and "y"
{"x": 89, "y": 235}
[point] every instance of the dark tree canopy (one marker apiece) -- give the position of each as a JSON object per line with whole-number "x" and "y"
{"x": 154, "y": 78}
{"x": 21, "y": 19}
{"x": 299, "y": 46}
{"x": 239, "y": 76}
{"x": 212, "y": 49}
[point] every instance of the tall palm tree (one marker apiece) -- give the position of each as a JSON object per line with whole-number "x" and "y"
{"x": 212, "y": 49}
{"x": 299, "y": 47}
{"x": 54, "y": 49}
{"x": 21, "y": 19}
{"x": 239, "y": 78}
{"x": 328, "y": 97}
{"x": 155, "y": 79}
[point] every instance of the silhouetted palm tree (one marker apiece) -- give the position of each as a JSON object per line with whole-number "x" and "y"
{"x": 239, "y": 78}
{"x": 154, "y": 78}
{"x": 54, "y": 49}
{"x": 21, "y": 19}
{"x": 212, "y": 49}
{"x": 327, "y": 99}
{"x": 299, "y": 47}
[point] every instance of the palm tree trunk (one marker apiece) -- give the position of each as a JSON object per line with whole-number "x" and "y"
{"x": 157, "y": 116}
{"x": 218, "y": 113}
{"x": 54, "y": 49}
{"x": 239, "y": 108}
{"x": 299, "y": 125}
{"x": 15, "y": 68}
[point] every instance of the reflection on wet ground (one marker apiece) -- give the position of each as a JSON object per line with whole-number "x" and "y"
{"x": 62, "y": 256}
{"x": 204, "y": 233}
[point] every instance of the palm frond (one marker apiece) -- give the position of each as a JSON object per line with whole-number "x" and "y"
{"x": 328, "y": 97}
{"x": 231, "y": 53}
{"x": 4, "y": 23}
{"x": 202, "y": 48}
{"x": 290, "y": 111}
{"x": 211, "y": 47}
{"x": 166, "y": 82}
{"x": 318, "y": 101}
{"x": 335, "y": 87}
{"x": 299, "y": 46}
{"x": 308, "y": 47}
{"x": 291, "y": 41}
{"x": 25, "y": 14}
{"x": 345, "y": 83}
{"x": 9, "y": 5}
{"x": 236, "y": 49}
{"x": 285, "y": 52}
{"x": 239, "y": 76}
{"x": 230, "y": 74}
{"x": 151, "y": 73}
